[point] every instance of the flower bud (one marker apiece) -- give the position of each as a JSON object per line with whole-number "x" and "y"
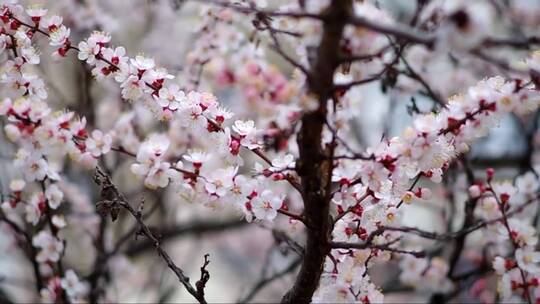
{"x": 505, "y": 197}
{"x": 490, "y": 172}
{"x": 475, "y": 191}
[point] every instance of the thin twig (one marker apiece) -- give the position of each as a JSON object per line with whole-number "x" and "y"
{"x": 111, "y": 192}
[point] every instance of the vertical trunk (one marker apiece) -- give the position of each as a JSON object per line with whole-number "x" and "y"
{"x": 315, "y": 164}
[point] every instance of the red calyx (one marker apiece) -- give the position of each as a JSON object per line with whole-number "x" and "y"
{"x": 388, "y": 162}
{"x": 14, "y": 25}
{"x": 235, "y": 147}
{"x": 42, "y": 206}
{"x": 62, "y": 51}
{"x": 278, "y": 176}
{"x": 509, "y": 264}
{"x": 358, "y": 210}
{"x": 212, "y": 127}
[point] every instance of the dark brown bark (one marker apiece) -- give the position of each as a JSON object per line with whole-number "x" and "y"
{"x": 314, "y": 164}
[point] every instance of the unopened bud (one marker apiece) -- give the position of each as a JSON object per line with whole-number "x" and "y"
{"x": 490, "y": 172}
{"x": 475, "y": 191}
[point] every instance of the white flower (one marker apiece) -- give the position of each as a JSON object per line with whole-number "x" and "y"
{"x": 100, "y": 38}
{"x": 159, "y": 175}
{"x": 191, "y": 115}
{"x": 504, "y": 286}
{"x": 244, "y": 128}
{"x": 505, "y": 191}
{"x": 156, "y": 74}
{"x": 12, "y": 132}
{"x": 219, "y": 181}
{"x": 52, "y": 23}
{"x": 488, "y": 208}
{"x": 132, "y": 88}
{"x": 171, "y": 97}
{"x": 35, "y": 169}
{"x": 197, "y": 158}
{"x": 58, "y": 221}
{"x": 350, "y": 272}
{"x": 99, "y": 143}
{"x": 88, "y": 51}
{"x": 30, "y": 55}
{"x": 17, "y": 185}
{"x": 115, "y": 56}
{"x": 54, "y": 196}
{"x": 499, "y": 264}
{"x": 522, "y": 233}
{"x": 36, "y": 88}
{"x": 475, "y": 191}
{"x": 528, "y": 259}
{"x": 22, "y": 39}
{"x": 59, "y": 36}
{"x": 242, "y": 188}
{"x": 72, "y": 285}
{"x": 219, "y": 114}
{"x": 143, "y": 63}
{"x": 34, "y": 208}
{"x": 247, "y": 132}
{"x": 51, "y": 247}
{"x": 265, "y": 205}
{"x": 156, "y": 173}
{"x": 36, "y": 12}
{"x": 284, "y": 162}
{"x": 154, "y": 148}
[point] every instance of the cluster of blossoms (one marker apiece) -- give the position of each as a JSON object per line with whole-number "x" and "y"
{"x": 211, "y": 169}
{"x": 347, "y": 282}
{"x": 426, "y": 148}
{"x": 516, "y": 259}
{"x": 211, "y": 173}
{"x": 373, "y": 189}
{"x": 45, "y": 137}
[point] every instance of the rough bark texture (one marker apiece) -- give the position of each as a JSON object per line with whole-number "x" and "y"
{"x": 314, "y": 164}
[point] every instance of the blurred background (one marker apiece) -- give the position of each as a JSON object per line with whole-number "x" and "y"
{"x": 244, "y": 256}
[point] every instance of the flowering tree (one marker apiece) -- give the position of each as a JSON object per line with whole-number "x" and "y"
{"x": 290, "y": 159}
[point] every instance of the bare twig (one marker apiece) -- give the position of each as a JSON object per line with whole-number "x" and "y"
{"x": 383, "y": 247}
{"x": 114, "y": 198}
